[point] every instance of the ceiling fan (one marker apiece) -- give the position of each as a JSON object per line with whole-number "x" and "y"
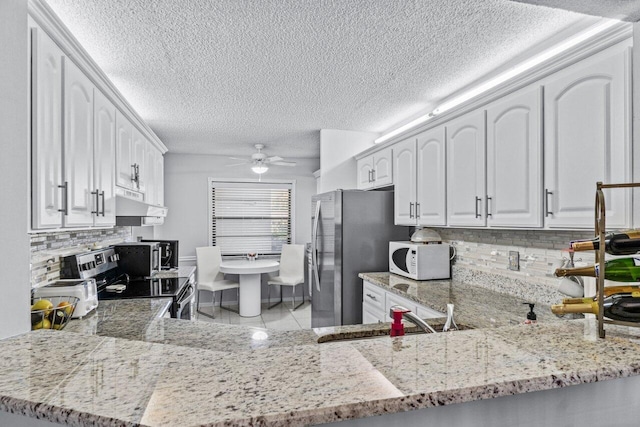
{"x": 260, "y": 162}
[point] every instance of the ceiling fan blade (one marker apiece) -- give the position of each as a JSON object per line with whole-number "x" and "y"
{"x": 274, "y": 159}
{"x": 238, "y": 164}
{"x": 237, "y": 158}
{"x": 284, "y": 163}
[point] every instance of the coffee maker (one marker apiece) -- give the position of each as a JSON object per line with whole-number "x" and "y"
{"x": 168, "y": 253}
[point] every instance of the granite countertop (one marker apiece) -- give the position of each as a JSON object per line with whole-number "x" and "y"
{"x": 473, "y": 306}
{"x": 194, "y": 373}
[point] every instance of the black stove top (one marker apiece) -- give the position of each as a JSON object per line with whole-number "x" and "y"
{"x": 145, "y": 288}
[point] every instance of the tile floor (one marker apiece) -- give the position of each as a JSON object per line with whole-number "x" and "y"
{"x": 280, "y": 317}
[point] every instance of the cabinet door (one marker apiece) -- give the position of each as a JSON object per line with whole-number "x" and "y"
{"x": 139, "y": 153}
{"x": 404, "y": 178}
{"x": 365, "y": 169}
{"x": 159, "y": 178}
{"x": 431, "y": 169}
{"x": 124, "y": 157}
{"x": 514, "y": 160}
{"x": 382, "y": 168}
{"x": 150, "y": 175}
{"x": 46, "y": 132}
{"x": 587, "y": 126}
{"x": 104, "y": 164}
{"x": 466, "y": 170}
{"x": 78, "y": 146}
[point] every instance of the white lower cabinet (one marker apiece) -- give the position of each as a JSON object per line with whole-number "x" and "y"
{"x": 376, "y": 303}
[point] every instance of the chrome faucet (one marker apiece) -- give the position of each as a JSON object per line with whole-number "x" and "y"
{"x": 408, "y": 315}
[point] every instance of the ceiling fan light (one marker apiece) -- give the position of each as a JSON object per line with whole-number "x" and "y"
{"x": 259, "y": 169}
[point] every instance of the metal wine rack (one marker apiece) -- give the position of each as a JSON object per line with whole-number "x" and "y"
{"x": 600, "y": 229}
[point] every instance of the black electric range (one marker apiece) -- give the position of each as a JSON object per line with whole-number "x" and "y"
{"x": 179, "y": 289}
{"x": 114, "y": 283}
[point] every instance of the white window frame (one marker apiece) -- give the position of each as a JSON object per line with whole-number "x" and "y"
{"x": 212, "y": 181}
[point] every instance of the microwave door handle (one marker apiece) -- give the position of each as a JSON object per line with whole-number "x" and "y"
{"x": 314, "y": 246}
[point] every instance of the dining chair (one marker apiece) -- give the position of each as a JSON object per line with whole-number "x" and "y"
{"x": 291, "y": 273}
{"x": 210, "y": 278}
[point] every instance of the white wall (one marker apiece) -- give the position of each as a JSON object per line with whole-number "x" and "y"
{"x": 186, "y": 195}
{"x": 337, "y": 165}
{"x": 14, "y": 170}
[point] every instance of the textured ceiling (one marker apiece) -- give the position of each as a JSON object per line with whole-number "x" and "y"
{"x": 219, "y": 76}
{"x": 627, "y": 10}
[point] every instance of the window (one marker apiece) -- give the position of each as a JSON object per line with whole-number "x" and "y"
{"x": 250, "y": 216}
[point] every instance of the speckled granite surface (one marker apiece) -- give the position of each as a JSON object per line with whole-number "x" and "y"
{"x": 122, "y": 370}
{"x": 91, "y": 380}
{"x": 474, "y": 306}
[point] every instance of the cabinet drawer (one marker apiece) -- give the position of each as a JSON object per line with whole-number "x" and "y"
{"x": 393, "y": 299}
{"x": 428, "y": 313}
{"x": 373, "y": 296}
{"x": 372, "y": 315}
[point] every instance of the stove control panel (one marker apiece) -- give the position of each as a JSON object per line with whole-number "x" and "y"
{"x": 88, "y": 264}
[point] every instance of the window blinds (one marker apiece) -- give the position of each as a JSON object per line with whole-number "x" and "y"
{"x": 250, "y": 217}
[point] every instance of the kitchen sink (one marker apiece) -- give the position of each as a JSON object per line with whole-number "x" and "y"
{"x": 362, "y": 332}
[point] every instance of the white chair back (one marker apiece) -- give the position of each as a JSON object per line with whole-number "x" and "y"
{"x": 208, "y": 261}
{"x": 292, "y": 262}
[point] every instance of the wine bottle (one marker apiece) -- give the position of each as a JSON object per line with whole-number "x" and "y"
{"x": 623, "y": 243}
{"x": 617, "y": 307}
{"x": 634, "y": 290}
{"x": 619, "y": 270}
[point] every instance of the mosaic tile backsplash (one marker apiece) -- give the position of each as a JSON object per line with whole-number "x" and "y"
{"x": 483, "y": 256}
{"x": 47, "y": 248}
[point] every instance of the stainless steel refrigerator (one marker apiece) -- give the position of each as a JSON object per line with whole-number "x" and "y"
{"x": 351, "y": 230}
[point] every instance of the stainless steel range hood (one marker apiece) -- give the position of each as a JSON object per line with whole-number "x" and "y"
{"x": 130, "y": 211}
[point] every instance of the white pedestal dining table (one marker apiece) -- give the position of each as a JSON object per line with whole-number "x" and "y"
{"x": 250, "y": 280}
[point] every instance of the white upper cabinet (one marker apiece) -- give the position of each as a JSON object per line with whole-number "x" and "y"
{"x": 431, "y": 178}
{"x": 375, "y": 170}
{"x": 104, "y": 119}
{"x": 404, "y": 179}
{"x": 466, "y": 170}
{"x": 125, "y": 169}
{"x": 78, "y": 147}
{"x": 139, "y": 149}
{"x": 514, "y": 160}
{"x": 46, "y": 132}
{"x": 587, "y": 115}
{"x": 382, "y": 168}
{"x": 365, "y": 169}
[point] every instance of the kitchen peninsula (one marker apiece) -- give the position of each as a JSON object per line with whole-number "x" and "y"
{"x": 188, "y": 373}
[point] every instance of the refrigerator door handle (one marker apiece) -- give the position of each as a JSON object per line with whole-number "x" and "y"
{"x": 314, "y": 249}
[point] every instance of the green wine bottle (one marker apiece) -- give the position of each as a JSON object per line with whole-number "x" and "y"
{"x": 622, "y": 243}
{"x": 618, "y": 270}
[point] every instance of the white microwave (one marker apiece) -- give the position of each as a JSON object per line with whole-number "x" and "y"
{"x": 419, "y": 261}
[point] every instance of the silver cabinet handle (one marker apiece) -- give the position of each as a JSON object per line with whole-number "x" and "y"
{"x": 65, "y": 198}
{"x": 103, "y": 202}
{"x": 417, "y": 210}
{"x": 373, "y": 175}
{"x": 97, "y": 194}
{"x": 488, "y": 210}
{"x": 314, "y": 247}
{"x": 478, "y": 214}
{"x": 372, "y": 297}
{"x": 547, "y": 212}
{"x": 410, "y": 209}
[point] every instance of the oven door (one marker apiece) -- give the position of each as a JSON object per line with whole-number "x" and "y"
{"x": 183, "y": 305}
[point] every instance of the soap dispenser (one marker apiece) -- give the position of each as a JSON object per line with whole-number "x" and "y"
{"x": 531, "y": 315}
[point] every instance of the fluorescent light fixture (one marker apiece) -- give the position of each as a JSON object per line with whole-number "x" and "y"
{"x": 401, "y": 129}
{"x": 518, "y": 69}
{"x": 259, "y": 168}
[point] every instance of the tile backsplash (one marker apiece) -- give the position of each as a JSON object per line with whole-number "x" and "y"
{"x": 47, "y": 248}
{"x": 482, "y": 258}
